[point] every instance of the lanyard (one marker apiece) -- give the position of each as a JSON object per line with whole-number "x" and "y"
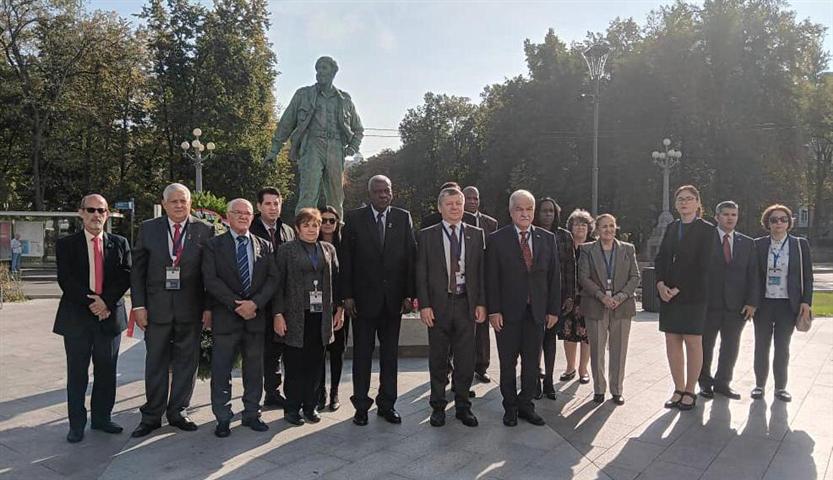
{"x": 459, "y": 251}
{"x": 313, "y": 257}
{"x": 777, "y": 255}
{"x": 609, "y": 264}
{"x": 177, "y": 247}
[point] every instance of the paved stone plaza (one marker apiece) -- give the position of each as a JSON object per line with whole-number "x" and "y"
{"x": 720, "y": 439}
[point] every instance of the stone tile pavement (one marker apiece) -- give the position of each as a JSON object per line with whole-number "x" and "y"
{"x": 719, "y": 439}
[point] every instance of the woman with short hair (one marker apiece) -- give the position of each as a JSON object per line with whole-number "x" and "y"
{"x": 787, "y": 293}
{"x": 307, "y": 308}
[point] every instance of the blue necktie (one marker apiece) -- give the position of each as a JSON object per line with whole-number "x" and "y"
{"x": 243, "y": 263}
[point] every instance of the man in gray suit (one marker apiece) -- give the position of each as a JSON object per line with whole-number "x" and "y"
{"x": 734, "y": 290}
{"x": 240, "y": 275}
{"x": 169, "y": 303}
{"x": 451, "y": 298}
{"x": 482, "y": 345}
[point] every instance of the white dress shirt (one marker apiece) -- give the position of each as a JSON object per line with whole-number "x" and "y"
{"x": 731, "y": 240}
{"x": 171, "y": 231}
{"x": 528, "y": 238}
{"x": 250, "y": 252}
{"x": 447, "y": 246}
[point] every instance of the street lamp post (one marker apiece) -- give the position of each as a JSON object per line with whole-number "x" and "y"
{"x": 596, "y": 57}
{"x": 197, "y": 156}
{"x": 666, "y": 161}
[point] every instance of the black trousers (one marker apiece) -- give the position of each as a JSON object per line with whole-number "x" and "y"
{"x": 303, "y": 367}
{"x": 175, "y": 348}
{"x": 336, "y": 351}
{"x": 366, "y": 329}
{"x": 549, "y": 346}
{"x": 773, "y": 319}
{"x": 272, "y": 353}
{"x": 519, "y": 338}
{"x": 730, "y": 326}
{"x": 223, "y": 353}
{"x": 103, "y": 349}
{"x": 453, "y": 334}
{"x": 482, "y": 347}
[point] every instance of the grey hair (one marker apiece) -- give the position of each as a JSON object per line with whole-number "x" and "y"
{"x": 91, "y": 195}
{"x": 471, "y": 188}
{"x": 230, "y": 205}
{"x": 519, "y": 194}
{"x": 447, "y": 192}
{"x": 326, "y": 59}
{"x": 170, "y": 189}
{"x": 725, "y": 204}
{"x": 378, "y": 178}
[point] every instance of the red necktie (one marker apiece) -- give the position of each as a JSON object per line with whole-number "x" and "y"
{"x": 727, "y": 249}
{"x": 527, "y": 252}
{"x": 98, "y": 261}
{"x": 177, "y": 240}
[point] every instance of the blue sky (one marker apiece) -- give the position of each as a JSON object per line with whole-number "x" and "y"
{"x": 391, "y": 53}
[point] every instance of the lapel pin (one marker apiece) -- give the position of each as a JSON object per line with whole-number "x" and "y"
{"x": 390, "y": 225}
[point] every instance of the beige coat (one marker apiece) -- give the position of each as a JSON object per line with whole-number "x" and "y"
{"x": 592, "y": 275}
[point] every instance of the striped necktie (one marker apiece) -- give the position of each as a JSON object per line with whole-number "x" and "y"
{"x": 243, "y": 263}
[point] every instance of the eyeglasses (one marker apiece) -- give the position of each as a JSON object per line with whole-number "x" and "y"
{"x": 329, "y": 220}
{"x": 779, "y": 219}
{"x": 686, "y": 199}
{"x": 241, "y": 214}
{"x": 100, "y": 211}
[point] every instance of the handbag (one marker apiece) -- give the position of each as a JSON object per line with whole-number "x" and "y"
{"x": 802, "y": 324}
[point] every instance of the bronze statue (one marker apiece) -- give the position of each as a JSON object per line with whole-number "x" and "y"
{"x": 323, "y": 127}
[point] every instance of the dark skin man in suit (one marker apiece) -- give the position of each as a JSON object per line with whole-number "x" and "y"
{"x": 94, "y": 273}
{"x": 377, "y": 275}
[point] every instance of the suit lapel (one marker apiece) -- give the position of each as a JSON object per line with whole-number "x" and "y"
{"x": 231, "y": 259}
{"x": 469, "y": 239}
{"x": 597, "y": 254}
{"x": 537, "y": 247}
{"x": 84, "y": 253}
{"x": 793, "y": 268}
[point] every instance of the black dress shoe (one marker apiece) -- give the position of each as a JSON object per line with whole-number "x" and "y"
{"x": 437, "y": 417}
{"x": 294, "y": 418}
{"x": 532, "y": 417}
{"x": 223, "y": 429}
{"x": 783, "y": 395}
{"x": 255, "y": 424}
{"x": 707, "y": 391}
{"x": 334, "y": 403}
{"x": 567, "y": 376}
{"x": 75, "y": 435}
{"x": 510, "y": 418}
{"x": 107, "y": 427}
{"x": 275, "y": 401}
{"x": 483, "y": 377}
{"x": 322, "y": 403}
{"x": 599, "y": 397}
{"x": 183, "y": 423}
{"x": 312, "y": 416}
{"x": 549, "y": 390}
{"x": 757, "y": 393}
{"x": 143, "y": 429}
{"x": 618, "y": 400}
{"x": 391, "y": 415}
{"x": 360, "y": 418}
{"x": 465, "y": 416}
{"x": 727, "y": 392}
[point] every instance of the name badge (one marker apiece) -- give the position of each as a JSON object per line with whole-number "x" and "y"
{"x": 172, "y": 279}
{"x": 316, "y": 299}
{"x": 774, "y": 277}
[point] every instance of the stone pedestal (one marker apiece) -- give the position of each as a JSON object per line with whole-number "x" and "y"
{"x": 652, "y": 245}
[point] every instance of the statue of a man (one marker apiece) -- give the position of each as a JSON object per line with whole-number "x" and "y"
{"x": 322, "y": 124}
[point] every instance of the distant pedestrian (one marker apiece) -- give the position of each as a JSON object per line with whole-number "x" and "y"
{"x": 17, "y": 253}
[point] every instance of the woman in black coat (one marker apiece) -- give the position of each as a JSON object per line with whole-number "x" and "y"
{"x": 682, "y": 265}
{"x": 786, "y": 294}
{"x": 331, "y": 232}
{"x": 549, "y": 217}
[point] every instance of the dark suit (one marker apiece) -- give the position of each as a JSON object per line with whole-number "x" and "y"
{"x": 230, "y": 331}
{"x": 85, "y": 336}
{"x": 272, "y": 350}
{"x": 731, "y": 287}
{"x": 378, "y": 277}
{"x": 453, "y": 330}
{"x": 775, "y": 318}
{"x": 172, "y": 336}
{"x": 482, "y": 345}
{"x": 524, "y": 298}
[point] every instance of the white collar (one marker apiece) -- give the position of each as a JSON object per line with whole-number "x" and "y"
{"x": 171, "y": 223}
{"x": 458, "y": 226}
{"x": 723, "y": 234}
{"x": 383, "y": 212}
{"x": 518, "y": 230}
{"x": 90, "y": 236}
